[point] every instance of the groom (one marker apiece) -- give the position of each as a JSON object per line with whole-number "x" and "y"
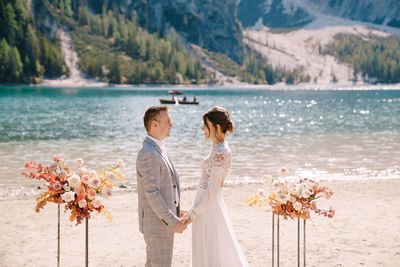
{"x": 158, "y": 190}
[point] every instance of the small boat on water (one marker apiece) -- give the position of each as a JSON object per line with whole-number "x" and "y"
{"x": 181, "y": 101}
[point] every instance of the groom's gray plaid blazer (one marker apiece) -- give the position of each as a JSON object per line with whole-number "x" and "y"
{"x": 157, "y": 182}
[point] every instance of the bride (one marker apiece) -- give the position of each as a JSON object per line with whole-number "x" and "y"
{"x": 213, "y": 240}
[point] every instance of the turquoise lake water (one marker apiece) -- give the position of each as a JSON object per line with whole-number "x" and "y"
{"x": 322, "y": 134}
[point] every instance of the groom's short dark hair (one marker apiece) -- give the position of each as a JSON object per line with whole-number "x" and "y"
{"x": 151, "y": 114}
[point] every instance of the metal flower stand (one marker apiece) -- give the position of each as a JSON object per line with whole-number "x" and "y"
{"x": 275, "y": 221}
{"x": 58, "y": 238}
{"x": 87, "y": 242}
{"x": 273, "y": 239}
{"x": 298, "y": 242}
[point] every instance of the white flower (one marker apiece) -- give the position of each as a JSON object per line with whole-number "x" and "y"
{"x": 68, "y": 196}
{"x": 292, "y": 199}
{"x": 82, "y": 170}
{"x": 276, "y": 184}
{"x": 283, "y": 185}
{"x": 74, "y": 181}
{"x": 261, "y": 193}
{"x": 121, "y": 164}
{"x": 95, "y": 183}
{"x": 82, "y": 203}
{"x": 297, "y": 206}
{"x": 92, "y": 173}
{"x": 306, "y": 194}
{"x": 107, "y": 192}
{"x": 79, "y": 161}
{"x": 85, "y": 179}
{"x": 96, "y": 203}
{"x": 66, "y": 187}
{"x": 299, "y": 190}
{"x": 283, "y": 198}
{"x": 111, "y": 176}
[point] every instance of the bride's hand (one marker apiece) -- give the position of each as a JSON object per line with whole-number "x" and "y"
{"x": 182, "y": 213}
{"x": 186, "y": 219}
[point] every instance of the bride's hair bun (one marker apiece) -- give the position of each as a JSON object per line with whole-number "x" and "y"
{"x": 230, "y": 125}
{"x": 218, "y": 115}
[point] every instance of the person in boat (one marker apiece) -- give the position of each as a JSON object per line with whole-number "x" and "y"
{"x": 184, "y": 98}
{"x": 194, "y": 99}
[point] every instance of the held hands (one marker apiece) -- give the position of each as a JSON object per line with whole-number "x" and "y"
{"x": 179, "y": 227}
{"x": 185, "y": 220}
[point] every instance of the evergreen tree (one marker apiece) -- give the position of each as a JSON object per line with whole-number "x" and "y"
{"x": 11, "y": 26}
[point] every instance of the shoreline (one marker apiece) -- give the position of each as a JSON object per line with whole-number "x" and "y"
{"x": 280, "y": 86}
{"x": 364, "y": 230}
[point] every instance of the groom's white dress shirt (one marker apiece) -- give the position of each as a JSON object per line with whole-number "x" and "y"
{"x": 164, "y": 153}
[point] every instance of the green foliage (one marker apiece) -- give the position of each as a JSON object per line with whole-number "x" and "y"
{"x": 25, "y": 54}
{"x": 255, "y": 69}
{"x": 376, "y": 58}
{"x": 115, "y": 49}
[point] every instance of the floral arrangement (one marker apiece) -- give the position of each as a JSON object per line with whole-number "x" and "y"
{"x": 294, "y": 200}
{"x": 79, "y": 189}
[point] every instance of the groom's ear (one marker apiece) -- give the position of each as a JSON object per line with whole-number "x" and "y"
{"x": 154, "y": 123}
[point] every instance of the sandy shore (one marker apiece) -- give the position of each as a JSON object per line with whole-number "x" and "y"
{"x": 364, "y": 232}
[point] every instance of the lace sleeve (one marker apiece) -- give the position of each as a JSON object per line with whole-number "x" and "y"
{"x": 210, "y": 183}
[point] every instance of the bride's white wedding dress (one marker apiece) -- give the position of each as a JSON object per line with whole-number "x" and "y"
{"x": 214, "y": 243}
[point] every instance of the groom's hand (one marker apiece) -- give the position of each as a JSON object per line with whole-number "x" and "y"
{"x": 179, "y": 227}
{"x": 187, "y": 220}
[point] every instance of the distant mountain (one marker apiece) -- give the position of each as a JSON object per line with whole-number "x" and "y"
{"x": 211, "y": 24}
{"x": 385, "y": 12}
{"x": 272, "y": 13}
{"x": 295, "y": 13}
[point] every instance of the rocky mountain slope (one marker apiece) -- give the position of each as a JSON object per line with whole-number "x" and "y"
{"x": 307, "y": 26}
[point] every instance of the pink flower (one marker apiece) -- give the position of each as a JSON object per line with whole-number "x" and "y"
{"x": 111, "y": 176}
{"x": 314, "y": 205}
{"x": 57, "y": 186}
{"x": 79, "y": 161}
{"x": 283, "y": 172}
{"x": 95, "y": 183}
{"x": 85, "y": 179}
{"x": 96, "y": 203}
{"x": 91, "y": 194}
{"x": 297, "y": 206}
{"x": 58, "y": 158}
{"x": 82, "y": 203}
{"x": 80, "y": 190}
{"x": 107, "y": 192}
{"x": 328, "y": 193}
{"x": 62, "y": 174}
{"x": 92, "y": 173}
{"x": 283, "y": 198}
